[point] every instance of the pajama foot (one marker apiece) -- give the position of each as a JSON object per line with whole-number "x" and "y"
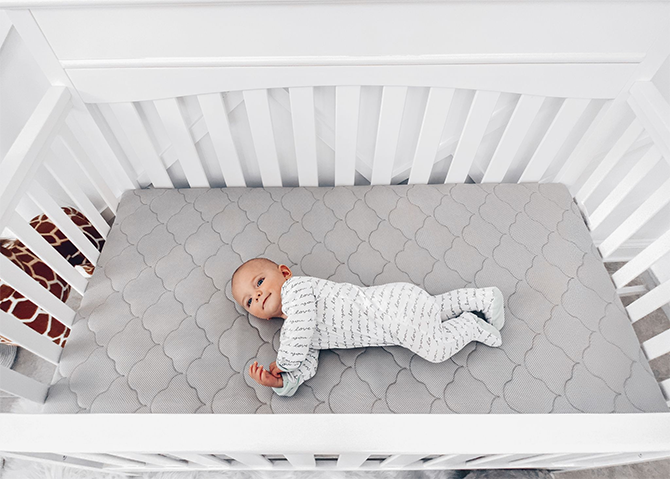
{"x": 489, "y": 335}
{"x": 487, "y": 301}
{"x": 496, "y": 314}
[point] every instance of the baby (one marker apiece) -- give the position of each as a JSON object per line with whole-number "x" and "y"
{"x": 321, "y": 314}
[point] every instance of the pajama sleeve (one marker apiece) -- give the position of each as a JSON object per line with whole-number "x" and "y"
{"x": 295, "y": 378}
{"x": 299, "y": 306}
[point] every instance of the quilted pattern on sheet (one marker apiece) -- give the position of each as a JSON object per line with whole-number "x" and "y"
{"x": 158, "y": 330}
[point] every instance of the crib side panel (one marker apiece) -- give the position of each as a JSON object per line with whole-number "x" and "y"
{"x": 176, "y": 442}
{"x": 616, "y": 215}
{"x": 37, "y": 270}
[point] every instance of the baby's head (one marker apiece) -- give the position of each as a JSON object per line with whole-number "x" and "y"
{"x": 256, "y": 286}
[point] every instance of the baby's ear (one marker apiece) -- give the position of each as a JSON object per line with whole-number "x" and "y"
{"x": 285, "y": 271}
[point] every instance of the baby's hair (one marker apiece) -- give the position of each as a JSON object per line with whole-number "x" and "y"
{"x": 250, "y": 262}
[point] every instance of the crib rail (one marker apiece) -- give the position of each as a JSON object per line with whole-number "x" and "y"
{"x": 138, "y": 443}
{"x": 36, "y": 180}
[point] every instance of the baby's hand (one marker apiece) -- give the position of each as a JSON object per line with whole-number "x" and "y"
{"x": 274, "y": 369}
{"x": 263, "y": 377}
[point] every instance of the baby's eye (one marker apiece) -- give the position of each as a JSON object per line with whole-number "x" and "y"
{"x": 260, "y": 281}
{"x": 249, "y": 303}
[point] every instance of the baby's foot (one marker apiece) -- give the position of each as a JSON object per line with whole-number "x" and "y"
{"x": 495, "y": 312}
{"x": 489, "y": 335}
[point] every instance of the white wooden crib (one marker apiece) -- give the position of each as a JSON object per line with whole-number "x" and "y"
{"x": 288, "y": 93}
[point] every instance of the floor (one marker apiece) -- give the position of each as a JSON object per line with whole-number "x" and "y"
{"x": 645, "y": 328}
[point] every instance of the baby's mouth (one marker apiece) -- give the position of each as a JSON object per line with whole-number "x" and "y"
{"x": 266, "y": 298}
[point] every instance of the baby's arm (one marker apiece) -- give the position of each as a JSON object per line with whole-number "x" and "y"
{"x": 299, "y": 325}
{"x": 293, "y": 379}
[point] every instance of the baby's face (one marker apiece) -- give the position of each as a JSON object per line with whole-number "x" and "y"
{"x": 257, "y": 288}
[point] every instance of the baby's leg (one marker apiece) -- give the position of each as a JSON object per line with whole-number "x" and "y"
{"x": 487, "y": 300}
{"x": 442, "y": 340}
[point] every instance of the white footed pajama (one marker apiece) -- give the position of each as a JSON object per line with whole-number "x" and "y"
{"x": 322, "y": 314}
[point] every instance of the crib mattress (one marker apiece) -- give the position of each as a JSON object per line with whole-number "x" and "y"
{"x": 158, "y": 330}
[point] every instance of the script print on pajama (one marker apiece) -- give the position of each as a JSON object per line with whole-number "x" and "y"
{"x": 323, "y": 314}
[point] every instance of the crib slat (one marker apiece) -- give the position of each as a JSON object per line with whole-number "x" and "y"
{"x": 347, "y": 104}
{"x": 41, "y": 247}
{"x": 206, "y": 460}
{"x": 251, "y": 460}
{"x": 151, "y": 459}
{"x": 352, "y": 460}
{"x": 624, "y": 459}
{"x": 566, "y": 118}
{"x": 632, "y": 290}
{"x": 652, "y": 205}
{"x": 524, "y": 114}
{"x": 473, "y": 131}
{"x": 142, "y": 148}
{"x": 653, "y": 112}
{"x": 5, "y": 27}
{"x": 640, "y": 263}
{"x": 665, "y": 387}
{"x": 434, "y": 119}
{"x": 117, "y": 140}
{"x": 182, "y": 141}
{"x": 22, "y": 386}
{"x": 301, "y": 461}
{"x": 81, "y": 200}
{"x": 26, "y": 153}
{"x": 258, "y": 109}
{"x": 56, "y": 459}
{"x": 39, "y": 195}
{"x": 489, "y": 460}
{"x": 91, "y": 172}
{"x": 16, "y": 331}
{"x": 576, "y": 162}
{"x": 651, "y": 301}
{"x": 449, "y": 461}
{"x": 593, "y": 459}
{"x": 390, "y": 119}
{"x": 214, "y": 111}
{"x": 100, "y": 154}
{"x": 156, "y": 130}
{"x": 445, "y": 458}
{"x": 400, "y": 460}
{"x": 537, "y": 458}
{"x": 304, "y": 134}
{"x": 106, "y": 459}
{"x": 619, "y": 149}
{"x": 199, "y": 129}
{"x": 616, "y": 196}
{"x": 31, "y": 289}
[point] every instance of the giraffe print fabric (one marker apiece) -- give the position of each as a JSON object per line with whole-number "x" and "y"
{"x": 14, "y": 303}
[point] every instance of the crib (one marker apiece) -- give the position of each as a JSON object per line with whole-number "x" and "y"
{"x": 174, "y": 95}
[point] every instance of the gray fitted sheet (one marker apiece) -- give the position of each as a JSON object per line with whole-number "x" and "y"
{"x": 158, "y": 330}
